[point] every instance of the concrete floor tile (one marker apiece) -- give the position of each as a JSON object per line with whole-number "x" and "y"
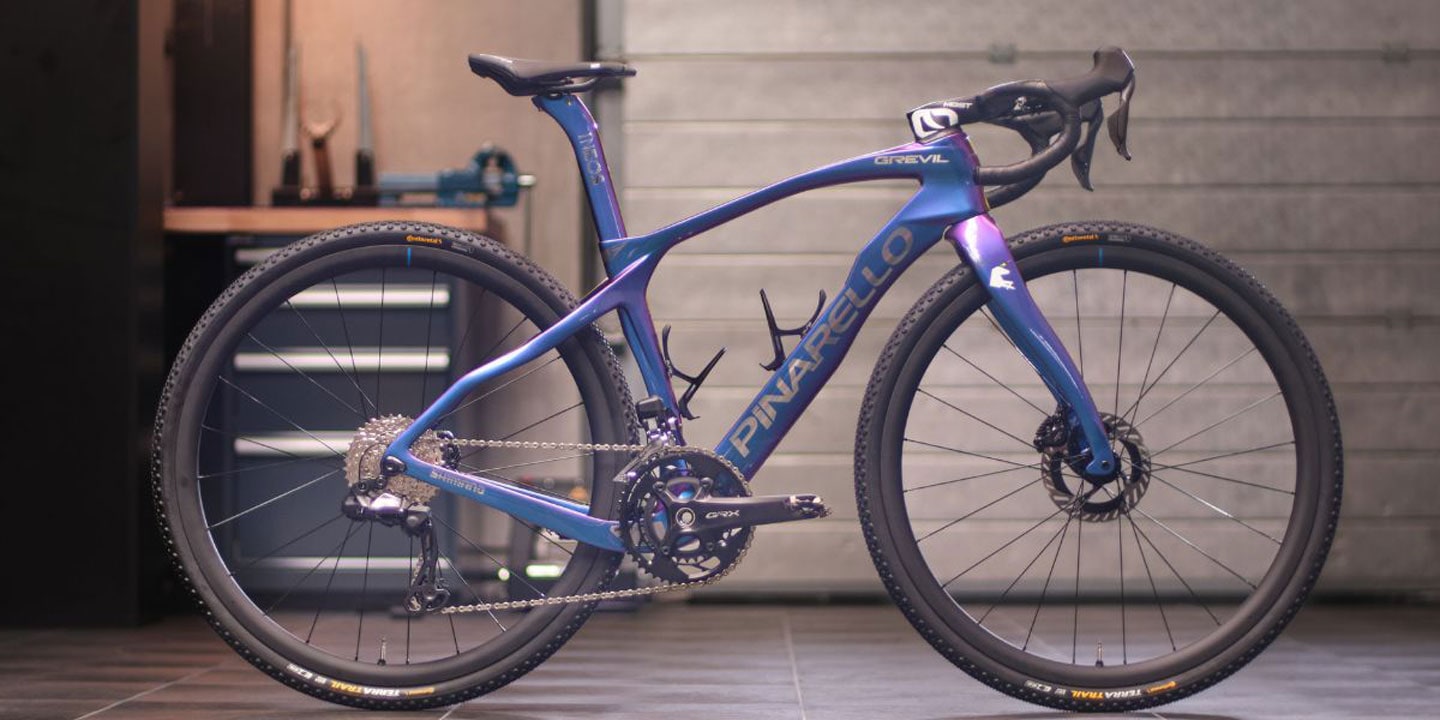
{"x": 720, "y": 662}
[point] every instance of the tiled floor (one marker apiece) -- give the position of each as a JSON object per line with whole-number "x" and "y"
{"x": 718, "y": 662}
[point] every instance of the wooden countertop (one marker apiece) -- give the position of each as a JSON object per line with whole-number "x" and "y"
{"x": 304, "y": 220}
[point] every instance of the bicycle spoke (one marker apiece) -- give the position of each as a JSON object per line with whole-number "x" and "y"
{"x": 1217, "y": 509}
{"x": 1026, "y": 443}
{"x": 1217, "y": 423}
{"x": 1154, "y": 591}
{"x": 305, "y": 375}
{"x": 1184, "y": 469}
{"x": 1064, "y": 532}
{"x": 970, "y": 514}
{"x": 353, "y": 375}
{"x": 429, "y": 326}
{"x": 492, "y": 558}
{"x": 488, "y": 393}
{"x": 454, "y": 635}
{"x": 537, "y": 532}
{"x": 280, "y": 415}
{"x": 252, "y": 468}
{"x": 997, "y": 381}
{"x": 470, "y": 323}
{"x": 1006, "y": 592}
{"x": 1149, "y": 364}
{"x": 455, "y": 570}
{"x": 294, "y": 458}
{"x": 1193, "y": 595}
{"x": 1079, "y": 550}
{"x": 1120, "y": 545}
{"x": 364, "y": 588}
{"x": 1222, "y": 456}
{"x": 380, "y": 342}
{"x": 1120, "y": 347}
{"x": 1197, "y": 386}
{"x": 1146, "y": 390}
{"x": 282, "y": 495}
{"x": 1031, "y": 466}
{"x": 409, "y": 615}
{"x": 1194, "y": 547}
{"x": 967, "y": 452}
{"x": 288, "y": 543}
{"x": 306, "y": 576}
{"x": 1015, "y": 539}
{"x": 547, "y": 418}
{"x": 329, "y": 583}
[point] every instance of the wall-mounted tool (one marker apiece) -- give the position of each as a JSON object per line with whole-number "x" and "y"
{"x": 290, "y": 123}
{"x": 776, "y": 332}
{"x": 365, "y": 146}
{"x": 489, "y": 180}
{"x": 324, "y": 192}
{"x": 319, "y": 134}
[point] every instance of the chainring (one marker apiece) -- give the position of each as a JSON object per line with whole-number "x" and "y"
{"x": 653, "y": 523}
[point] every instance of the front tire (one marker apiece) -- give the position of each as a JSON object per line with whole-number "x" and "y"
{"x": 1210, "y": 541}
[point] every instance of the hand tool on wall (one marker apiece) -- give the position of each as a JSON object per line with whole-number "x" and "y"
{"x": 319, "y": 134}
{"x": 365, "y": 146}
{"x": 290, "y": 123}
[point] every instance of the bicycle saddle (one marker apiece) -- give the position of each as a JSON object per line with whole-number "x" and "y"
{"x": 538, "y": 77}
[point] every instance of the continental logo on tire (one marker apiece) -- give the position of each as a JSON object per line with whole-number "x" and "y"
{"x": 1098, "y": 695}
{"x": 353, "y": 689}
{"x": 1157, "y": 689}
{"x": 1090, "y": 237}
{"x": 424, "y": 240}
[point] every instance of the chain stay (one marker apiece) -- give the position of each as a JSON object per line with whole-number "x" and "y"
{"x": 663, "y": 587}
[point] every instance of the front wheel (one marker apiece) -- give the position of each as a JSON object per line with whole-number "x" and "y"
{"x": 1117, "y": 594}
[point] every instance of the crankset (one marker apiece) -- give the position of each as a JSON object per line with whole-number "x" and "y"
{"x": 688, "y": 515}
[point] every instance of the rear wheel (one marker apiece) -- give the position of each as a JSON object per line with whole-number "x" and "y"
{"x": 281, "y": 401}
{"x": 1102, "y": 595}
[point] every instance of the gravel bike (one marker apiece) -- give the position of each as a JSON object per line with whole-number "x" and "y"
{"x": 1108, "y": 530}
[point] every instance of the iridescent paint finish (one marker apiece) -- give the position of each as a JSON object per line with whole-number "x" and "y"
{"x": 947, "y": 198}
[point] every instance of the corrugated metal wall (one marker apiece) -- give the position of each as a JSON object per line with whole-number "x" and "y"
{"x": 1300, "y": 138}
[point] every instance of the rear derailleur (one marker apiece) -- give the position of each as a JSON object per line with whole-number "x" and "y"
{"x": 427, "y": 591}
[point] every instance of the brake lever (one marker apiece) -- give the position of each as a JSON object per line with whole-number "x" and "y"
{"x": 1120, "y": 122}
{"x": 1091, "y": 114}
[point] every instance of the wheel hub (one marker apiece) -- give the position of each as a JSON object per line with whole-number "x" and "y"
{"x": 1094, "y": 499}
{"x": 363, "y": 460}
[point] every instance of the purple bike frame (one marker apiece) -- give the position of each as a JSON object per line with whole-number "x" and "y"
{"x": 947, "y": 204}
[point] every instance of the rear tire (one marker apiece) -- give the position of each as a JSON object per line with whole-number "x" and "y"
{"x": 361, "y": 648}
{"x": 1236, "y": 535}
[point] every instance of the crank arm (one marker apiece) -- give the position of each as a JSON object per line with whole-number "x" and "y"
{"x": 723, "y": 513}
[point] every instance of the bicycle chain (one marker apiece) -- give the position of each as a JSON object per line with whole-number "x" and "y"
{"x": 664, "y": 587}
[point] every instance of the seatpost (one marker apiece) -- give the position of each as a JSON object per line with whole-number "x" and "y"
{"x": 579, "y": 126}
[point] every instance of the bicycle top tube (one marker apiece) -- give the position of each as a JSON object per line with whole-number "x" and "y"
{"x": 947, "y": 161}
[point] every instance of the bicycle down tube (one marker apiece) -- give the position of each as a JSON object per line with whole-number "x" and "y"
{"x": 948, "y": 204}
